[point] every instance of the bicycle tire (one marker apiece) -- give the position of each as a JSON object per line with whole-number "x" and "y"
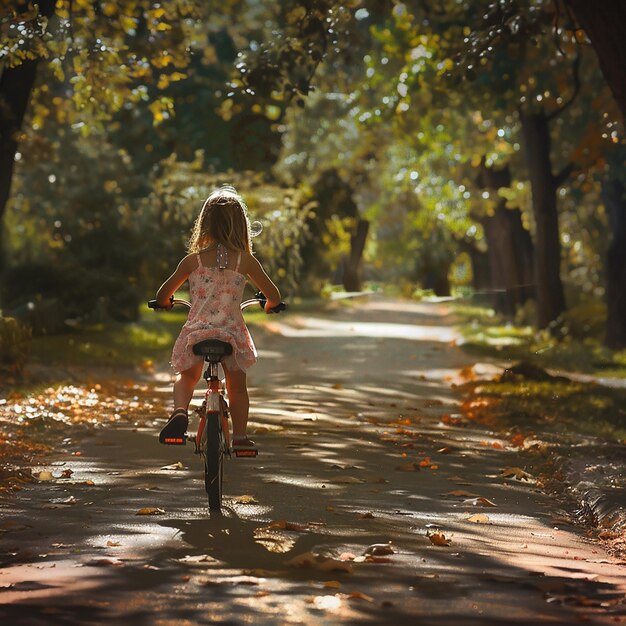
{"x": 213, "y": 462}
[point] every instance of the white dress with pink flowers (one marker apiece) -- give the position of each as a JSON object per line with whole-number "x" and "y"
{"x": 216, "y": 294}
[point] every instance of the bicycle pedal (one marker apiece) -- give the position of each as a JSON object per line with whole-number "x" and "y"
{"x": 174, "y": 441}
{"x": 246, "y": 453}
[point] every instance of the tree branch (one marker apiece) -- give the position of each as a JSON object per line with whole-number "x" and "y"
{"x": 576, "y": 78}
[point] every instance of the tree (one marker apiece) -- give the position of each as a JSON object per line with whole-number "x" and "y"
{"x": 604, "y": 24}
{"x": 16, "y": 84}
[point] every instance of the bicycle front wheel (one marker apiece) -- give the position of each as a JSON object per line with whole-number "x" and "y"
{"x": 214, "y": 461}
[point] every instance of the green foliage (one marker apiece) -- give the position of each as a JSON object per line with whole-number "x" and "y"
{"x": 561, "y": 406}
{"x": 83, "y": 230}
{"x": 577, "y": 346}
{"x": 178, "y": 193}
{"x": 15, "y": 341}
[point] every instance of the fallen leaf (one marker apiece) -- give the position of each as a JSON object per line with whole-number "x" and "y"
{"x": 379, "y": 549}
{"x": 174, "y": 466}
{"x": 245, "y": 499}
{"x": 44, "y": 475}
{"x": 444, "y": 450}
{"x": 357, "y": 595}
{"x": 67, "y": 473}
{"x": 372, "y": 558}
{"x": 150, "y": 511}
{"x": 113, "y": 544}
{"x": 347, "y": 556}
{"x": 200, "y": 558}
{"x": 333, "y": 584}
{"x": 480, "y": 501}
{"x": 460, "y": 493}
{"x": 282, "y": 524}
{"x": 478, "y": 518}
{"x": 516, "y": 472}
{"x": 439, "y": 539}
{"x": 366, "y": 515}
{"x": 517, "y": 440}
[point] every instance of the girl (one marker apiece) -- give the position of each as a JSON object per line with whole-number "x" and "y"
{"x": 217, "y": 266}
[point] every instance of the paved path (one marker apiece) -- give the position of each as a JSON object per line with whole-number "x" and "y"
{"x": 361, "y": 445}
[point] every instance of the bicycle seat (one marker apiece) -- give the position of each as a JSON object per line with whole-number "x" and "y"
{"x": 212, "y": 348}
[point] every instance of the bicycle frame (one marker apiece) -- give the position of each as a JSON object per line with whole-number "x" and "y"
{"x": 212, "y": 440}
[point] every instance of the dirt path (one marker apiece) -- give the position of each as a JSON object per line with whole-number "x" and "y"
{"x": 360, "y": 445}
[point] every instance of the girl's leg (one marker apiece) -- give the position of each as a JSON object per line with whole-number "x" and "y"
{"x": 237, "y": 388}
{"x": 173, "y": 433}
{"x": 184, "y": 385}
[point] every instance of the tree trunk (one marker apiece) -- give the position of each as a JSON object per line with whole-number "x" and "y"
{"x": 547, "y": 266}
{"x": 509, "y": 246}
{"x": 614, "y": 197}
{"x": 352, "y": 264}
{"x": 16, "y": 85}
{"x": 603, "y": 22}
{"x": 481, "y": 270}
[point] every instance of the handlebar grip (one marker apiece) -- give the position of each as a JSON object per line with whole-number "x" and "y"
{"x": 260, "y": 296}
{"x": 154, "y": 304}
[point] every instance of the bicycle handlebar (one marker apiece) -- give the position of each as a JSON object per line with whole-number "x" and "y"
{"x": 259, "y": 298}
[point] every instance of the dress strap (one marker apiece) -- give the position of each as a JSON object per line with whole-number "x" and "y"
{"x": 222, "y": 257}
{"x": 199, "y": 259}
{"x": 238, "y": 261}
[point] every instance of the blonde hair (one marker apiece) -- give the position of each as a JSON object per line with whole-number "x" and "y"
{"x": 224, "y": 219}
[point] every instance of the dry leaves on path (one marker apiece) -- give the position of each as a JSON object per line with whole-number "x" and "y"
{"x": 516, "y": 472}
{"x": 480, "y": 501}
{"x": 460, "y": 493}
{"x": 380, "y": 549}
{"x": 174, "y": 466}
{"x": 439, "y": 539}
{"x": 150, "y": 510}
{"x": 478, "y": 518}
{"x": 282, "y": 524}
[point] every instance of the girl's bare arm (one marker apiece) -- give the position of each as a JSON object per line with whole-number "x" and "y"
{"x": 255, "y": 272}
{"x": 180, "y": 275}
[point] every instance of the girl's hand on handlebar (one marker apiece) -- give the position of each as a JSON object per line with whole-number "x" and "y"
{"x": 270, "y": 305}
{"x": 158, "y": 306}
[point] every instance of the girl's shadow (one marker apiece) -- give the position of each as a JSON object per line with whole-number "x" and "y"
{"x": 242, "y": 543}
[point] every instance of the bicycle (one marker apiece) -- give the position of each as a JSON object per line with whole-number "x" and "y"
{"x": 212, "y": 440}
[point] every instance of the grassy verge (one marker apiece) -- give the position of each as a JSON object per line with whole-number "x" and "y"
{"x": 488, "y": 335}
{"x": 149, "y": 339}
{"x": 550, "y": 403}
{"x": 573, "y": 433}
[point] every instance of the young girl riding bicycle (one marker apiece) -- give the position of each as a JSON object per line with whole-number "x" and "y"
{"x": 219, "y": 263}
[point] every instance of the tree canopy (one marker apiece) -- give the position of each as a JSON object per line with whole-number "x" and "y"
{"x": 431, "y": 144}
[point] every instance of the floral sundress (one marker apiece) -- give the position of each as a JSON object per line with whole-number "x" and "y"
{"x": 216, "y": 294}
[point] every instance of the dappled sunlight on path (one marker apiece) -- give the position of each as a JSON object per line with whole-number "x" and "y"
{"x": 371, "y": 501}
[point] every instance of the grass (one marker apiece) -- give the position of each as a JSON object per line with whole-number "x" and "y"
{"x": 487, "y": 334}
{"x": 568, "y": 406}
{"x": 149, "y": 339}
{"x": 557, "y": 406}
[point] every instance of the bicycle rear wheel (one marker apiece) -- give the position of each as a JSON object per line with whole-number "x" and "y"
{"x": 214, "y": 461}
